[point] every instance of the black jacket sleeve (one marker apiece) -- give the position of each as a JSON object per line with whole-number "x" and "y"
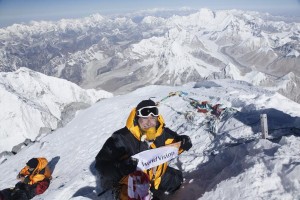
{"x": 172, "y": 134}
{"x": 167, "y": 134}
{"x": 108, "y": 159}
{"x": 185, "y": 140}
{"x": 105, "y": 160}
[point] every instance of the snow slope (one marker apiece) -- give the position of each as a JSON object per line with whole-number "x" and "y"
{"x": 32, "y": 103}
{"x": 229, "y": 163}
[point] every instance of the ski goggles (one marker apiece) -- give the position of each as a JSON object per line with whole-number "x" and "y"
{"x": 147, "y": 111}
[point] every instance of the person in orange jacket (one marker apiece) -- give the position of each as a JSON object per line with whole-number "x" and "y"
{"x": 34, "y": 180}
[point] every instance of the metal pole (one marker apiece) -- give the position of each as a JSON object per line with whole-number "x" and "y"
{"x": 264, "y": 125}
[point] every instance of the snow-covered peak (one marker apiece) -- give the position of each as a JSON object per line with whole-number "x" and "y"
{"x": 32, "y": 102}
{"x": 294, "y": 53}
{"x": 254, "y": 77}
{"x": 151, "y": 20}
{"x": 227, "y": 162}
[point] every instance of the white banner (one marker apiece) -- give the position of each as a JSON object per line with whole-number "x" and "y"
{"x": 154, "y": 157}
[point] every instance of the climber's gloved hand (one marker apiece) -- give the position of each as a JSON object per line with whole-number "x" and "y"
{"x": 127, "y": 166}
{"x": 185, "y": 140}
{"x": 20, "y": 176}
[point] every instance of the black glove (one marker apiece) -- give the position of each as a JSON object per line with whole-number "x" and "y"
{"x": 26, "y": 180}
{"x": 19, "y": 176}
{"x": 186, "y": 142}
{"x": 127, "y": 166}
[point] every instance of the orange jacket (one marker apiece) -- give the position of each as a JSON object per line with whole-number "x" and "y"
{"x": 41, "y": 172}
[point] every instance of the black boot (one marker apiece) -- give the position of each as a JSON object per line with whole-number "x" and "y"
{"x": 5, "y": 194}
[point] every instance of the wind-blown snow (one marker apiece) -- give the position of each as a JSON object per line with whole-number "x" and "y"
{"x": 32, "y": 102}
{"x": 230, "y": 163}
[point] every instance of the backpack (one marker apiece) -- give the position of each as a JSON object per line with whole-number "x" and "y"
{"x": 42, "y": 186}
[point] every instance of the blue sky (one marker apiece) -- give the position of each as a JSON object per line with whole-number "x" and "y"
{"x": 16, "y": 11}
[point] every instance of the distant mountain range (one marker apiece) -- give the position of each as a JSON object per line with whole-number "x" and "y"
{"x": 120, "y": 54}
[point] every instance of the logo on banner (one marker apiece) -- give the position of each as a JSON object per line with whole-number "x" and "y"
{"x": 154, "y": 157}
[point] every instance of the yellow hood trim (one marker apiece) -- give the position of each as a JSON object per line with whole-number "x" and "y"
{"x": 135, "y": 130}
{"x": 43, "y": 162}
